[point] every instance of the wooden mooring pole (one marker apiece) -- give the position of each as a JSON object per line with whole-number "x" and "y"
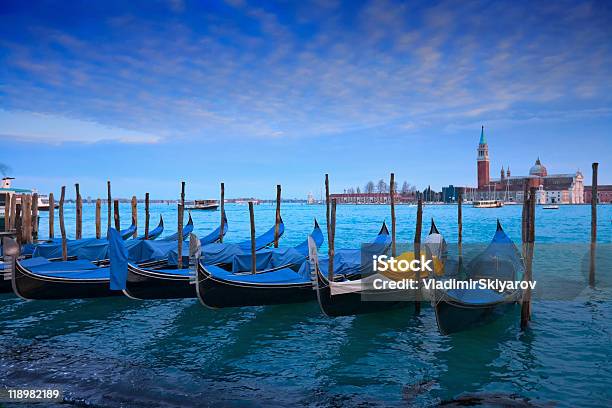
{"x": 278, "y": 216}
{"x": 35, "y": 217}
{"x": 27, "y": 219}
{"x": 62, "y": 224}
{"x": 332, "y": 242}
{"x": 109, "y": 203}
{"x": 51, "y": 216}
{"x": 135, "y": 216}
{"x": 529, "y": 233}
{"x": 417, "y": 251}
{"x": 222, "y": 204}
{"x": 79, "y": 213}
{"x": 7, "y": 212}
{"x": 252, "y": 221}
{"x": 18, "y": 219}
{"x": 14, "y": 212}
{"x": 98, "y": 218}
{"x": 594, "y": 200}
{"x": 147, "y": 215}
{"x": 392, "y": 201}
{"x": 459, "y": 220}
{"x": 116, "y": 215}
{"x": 181, "y": 209}
{"x": 327, "y": 203}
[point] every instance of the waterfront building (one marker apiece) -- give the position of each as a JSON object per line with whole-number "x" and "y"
{"x": 374, "y": 198}
{"x": 604, "y": 194}
{"x": 564, "y": 188}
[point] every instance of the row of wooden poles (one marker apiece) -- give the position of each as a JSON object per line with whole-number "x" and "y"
{"x": 23, "y": 218}
{"x": 527, "y": 232}
{"x": 181, "y": 214}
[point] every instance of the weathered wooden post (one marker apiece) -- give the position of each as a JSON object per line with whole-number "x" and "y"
{"x": 135, "y": 216}
{"x": 253, "y": 255}
{"x": 181, "y": 209}
{"x": 459, "y": 220}
{"x": 35, "y": 216}
{"x": 51, "y": 216}
{"x": 98, "y": 218}
{"x": 392, "y": 200}
{"x": 417, "y": 251}
{"x": 525, "y": 215}
{"x": 27, "y": 218}
{"x": 331, "y": 245}
{"x": 62, "y": 225}
{"x": 109, "y": 202}
{"x": 14, "y": 212}
{"x": 222, "y": 203}
{"x": 7, "y": 212}
{"x": 116, "y": 215}
{"x": 79, "y": 213}
{"x": 278, "y": 215}
{"x": 594, "y": 200}
{"x": 529, "y": 249}
{"x": 18, "y": 219}
{"x": 181, "y": 213}
{"x": 327, "y": 203}
{"x": 147, "y": 215}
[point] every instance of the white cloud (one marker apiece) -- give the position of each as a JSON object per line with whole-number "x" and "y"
{"x": 38, "y": 127}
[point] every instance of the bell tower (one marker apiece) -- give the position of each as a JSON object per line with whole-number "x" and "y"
{"x": 483, "y": 161}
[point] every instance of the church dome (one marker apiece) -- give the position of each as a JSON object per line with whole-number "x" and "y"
{"x": 538, "y": 169}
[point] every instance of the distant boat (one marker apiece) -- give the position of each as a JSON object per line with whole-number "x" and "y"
{"x": 550, "y": 207}
{"x": 43, "y": 203}
{"x": 204, "y": 205}
{"x": 488, "y": 204}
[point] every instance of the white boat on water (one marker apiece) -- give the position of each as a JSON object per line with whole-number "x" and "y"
{"x": 550, "y": 207}
{"x": 206, "y": 205}
{"x": 488, "y": 204}
{"x": 14, "y": 194}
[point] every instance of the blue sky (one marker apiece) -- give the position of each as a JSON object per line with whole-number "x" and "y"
{"x": 258, "y": 93}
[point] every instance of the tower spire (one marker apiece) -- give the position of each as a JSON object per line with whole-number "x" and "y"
{"x": 482, "y": 137}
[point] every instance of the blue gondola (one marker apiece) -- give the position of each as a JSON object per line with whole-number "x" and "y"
{"x": 218, "y": 288}
{"x": 462, "y": 309}
{"x": 146, "y": 283}
{"x": 156, "y": 232}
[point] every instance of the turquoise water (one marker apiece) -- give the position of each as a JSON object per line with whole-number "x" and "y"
{"x": 108, "y": 352}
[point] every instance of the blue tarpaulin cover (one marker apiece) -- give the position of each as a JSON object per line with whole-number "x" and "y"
{"x": 118, "y": 260}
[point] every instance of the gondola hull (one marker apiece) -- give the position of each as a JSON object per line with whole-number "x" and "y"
{"x": 453, "y": 316}
{"x": 216, "y": 293}
{"x": 350, "y": 304}
{"x": 32, "y": 286}
{"x": 5, "y": 284}
{"x": 147, "y": 284}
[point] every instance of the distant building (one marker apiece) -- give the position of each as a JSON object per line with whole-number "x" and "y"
{"x": 450, "y": 194}
{"x": 311, "y": 199}
{"x": 373, "y": 198}
{"x": 552, "y": 188}
{"x": 604, "y": 194}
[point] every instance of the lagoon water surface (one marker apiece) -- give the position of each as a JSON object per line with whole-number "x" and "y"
{"x": 117, "y": 351}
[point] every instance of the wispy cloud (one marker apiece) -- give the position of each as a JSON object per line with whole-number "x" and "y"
{"x": 38, "y": 127}
{"x": 255, "y": 71}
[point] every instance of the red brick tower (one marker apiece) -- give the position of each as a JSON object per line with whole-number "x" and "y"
{"x": 483, "y": 161}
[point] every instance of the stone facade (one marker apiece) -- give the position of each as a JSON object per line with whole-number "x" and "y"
{"x": 552, "y": 188}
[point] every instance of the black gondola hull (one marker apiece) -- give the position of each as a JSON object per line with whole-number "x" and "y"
{"x": 453, "y": 316}
{"x": 37, "y": 287}
{"x": 219, "y": 293}
{"x": 350, "y": 304}
{"x": 5, "y": 284}
{"x": 143, "y": 284}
